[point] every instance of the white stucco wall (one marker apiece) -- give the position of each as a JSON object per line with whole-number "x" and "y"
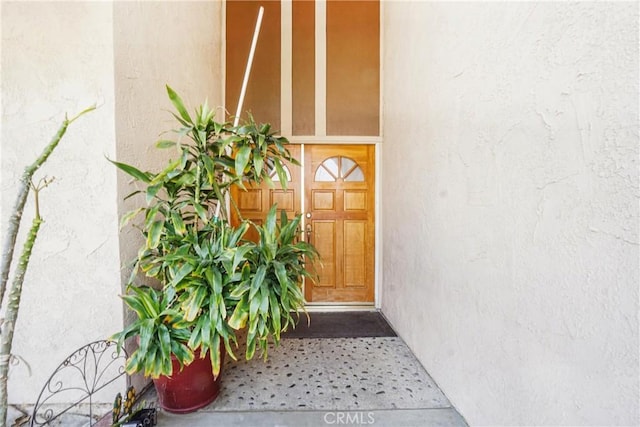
{"x": 57, "y": 58}
{"x": 510, "y": 205}
{"x": 63, "y": 57}
{"x": 159, "y": 43}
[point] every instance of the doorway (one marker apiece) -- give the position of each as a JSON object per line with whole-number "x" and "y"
{"x": 338, "y": 192}
{"x": 339, "y": 221}
{"x": 316, "y": 79}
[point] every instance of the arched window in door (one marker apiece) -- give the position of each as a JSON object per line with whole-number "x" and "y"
{"x": 339, "y": 167}
{"x": 273, "y": 174}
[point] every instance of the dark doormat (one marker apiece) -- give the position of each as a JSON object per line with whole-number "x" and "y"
{"x": 343, "y": 324}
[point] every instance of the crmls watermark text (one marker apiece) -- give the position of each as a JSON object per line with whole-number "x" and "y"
{"x": 346, "y": 418}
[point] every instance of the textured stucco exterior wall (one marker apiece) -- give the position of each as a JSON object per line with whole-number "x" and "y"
{"x": 159, "y": 43}
{"x": 57, "y": 58}
{"x": 510, "y": 205}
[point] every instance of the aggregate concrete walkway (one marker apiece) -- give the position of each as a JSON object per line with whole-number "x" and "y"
{"x": 321, "y": 382}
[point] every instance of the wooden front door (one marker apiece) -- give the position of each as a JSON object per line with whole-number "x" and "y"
{"x": 254, "y": 203}
{"x": 339, "y": 221}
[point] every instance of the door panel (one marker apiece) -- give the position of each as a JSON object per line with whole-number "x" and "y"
{"x": 324, "y": 200}
{"x": 355, "y": 258}
{"x": 324, "y": 238}
{"x": 339, "y": 197}
{"x": 258, "y": 199}
{"x": 355, "y": 200}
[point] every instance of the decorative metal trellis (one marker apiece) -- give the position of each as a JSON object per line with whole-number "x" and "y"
{"x": 84, "y": 373}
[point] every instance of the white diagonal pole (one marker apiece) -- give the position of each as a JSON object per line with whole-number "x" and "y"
{"x": 247, "y": 70}
{"x": 243, "y": 90}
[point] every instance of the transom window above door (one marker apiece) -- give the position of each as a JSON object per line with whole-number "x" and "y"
{"x": 316, "y": 70}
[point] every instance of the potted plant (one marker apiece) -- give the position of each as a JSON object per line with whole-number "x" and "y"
{"x": 211, "y": 281}
{"x": 271, "y": 293}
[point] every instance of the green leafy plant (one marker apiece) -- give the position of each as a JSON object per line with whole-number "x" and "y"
{"x": 210, "y": 278}
{"x": 162, "y": 331}
{"x": 270, "y": 290}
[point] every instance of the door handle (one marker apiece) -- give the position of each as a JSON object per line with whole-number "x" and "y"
{"x": 309, "y": 230}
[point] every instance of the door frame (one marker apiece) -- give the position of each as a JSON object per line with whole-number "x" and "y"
{"x": 377, "y": 255}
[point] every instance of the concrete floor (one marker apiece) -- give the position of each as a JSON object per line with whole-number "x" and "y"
{"x": 320, "y": 382}
{"x": 317, "y": 382}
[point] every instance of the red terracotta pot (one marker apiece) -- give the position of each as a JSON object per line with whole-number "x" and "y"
{"x": 191, "y": 388}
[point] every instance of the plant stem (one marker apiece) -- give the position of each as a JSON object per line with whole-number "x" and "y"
{"x": 14, "y": 223}
{"x": 8, "y": 327}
